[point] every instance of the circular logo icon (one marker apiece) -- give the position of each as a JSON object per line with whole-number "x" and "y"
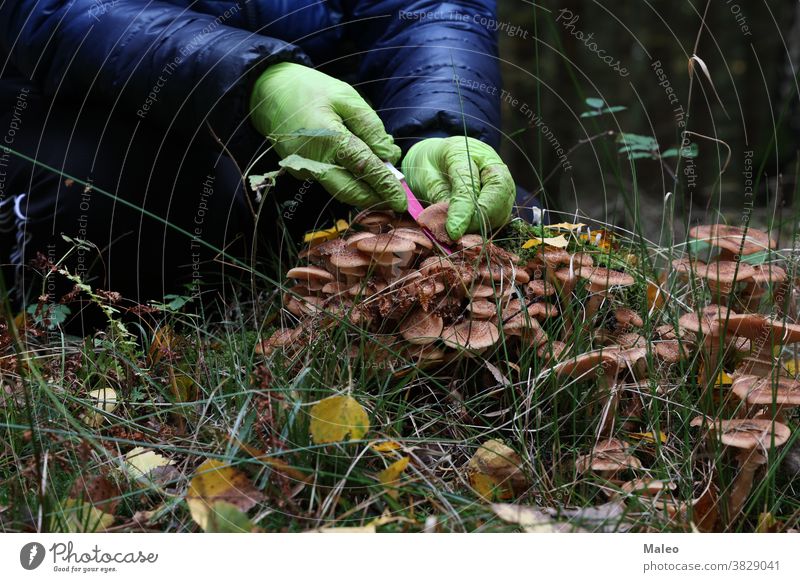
{"x": 31, "y": 555}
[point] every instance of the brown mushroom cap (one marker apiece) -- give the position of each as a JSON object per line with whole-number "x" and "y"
{"x": 649, "y": 487}
{"x": 765, "y": 391}
{"x": 749, "y": 433}
{"x": 670, "y": 351}
{"x": 421, "y": 327}
{"x": 542, "y": 311}
{"x": 583, "y": 364}
{"x": 434, "y": 218}
{"x": 469, "y": 241}
{"x": 608, "y": 455}
{"x": 707, "y": 322}
{"x": 348, "y": 258}
{"x": 469, "y": 334}
{"x": 627, "y": 318}
{"x": 480, "y": 290}
{"x": 372, "y": 220}
{"x": 767, "y": 330}
{"x": 416, "y": 235}
{"x": 551, "y": 351}
{"x": 352, "y": 240}
{"x": 763, "y": 274}
{"x": 309, "y": 274}
{"x": 730, "y": 238}
{"x": 726, "y": 272}
{"x": 540, "y": 288}
{"x": 482, "y": 309}
{"x": 389, "y": 242}
{"x": 601, "y": 278}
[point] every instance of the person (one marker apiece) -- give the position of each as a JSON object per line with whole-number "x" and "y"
{"x": 128, "y": 125}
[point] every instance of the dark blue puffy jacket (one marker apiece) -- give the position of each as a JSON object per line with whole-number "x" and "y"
{"x": 199, "y": 59}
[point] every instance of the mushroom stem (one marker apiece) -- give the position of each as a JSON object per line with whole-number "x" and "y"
{"x": 749, "y": 462}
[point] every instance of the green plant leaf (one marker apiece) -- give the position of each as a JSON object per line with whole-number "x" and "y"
{"x": 595, "y": 102}
{"x": 261, "y": 180}
{"x": 305, "y": 166}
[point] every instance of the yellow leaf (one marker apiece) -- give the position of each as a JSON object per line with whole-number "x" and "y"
{"x": 140, "y": 462}
{"x": 391, "y": 475}
{"x": 566, "y": 226}
{"x": 215, "y": 482}
{"x": 792, "y": 366}
{"x": 82, "y": 517}
{"x": 558, "y": 242}
{"x": 386, "y": 446}
{"x": 105, "y": 400}
{"x": 334, "y": 418}
{"x": 723, "y": 379}
{"x": 494, "y": 471}
{"x": 655, "y": 296}
{"x": 319, "y": 236}
{"x": 648, "y": 437}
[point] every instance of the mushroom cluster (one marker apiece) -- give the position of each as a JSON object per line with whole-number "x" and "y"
{"x": 390, "y": 278}
{"x": 729, "y": 335}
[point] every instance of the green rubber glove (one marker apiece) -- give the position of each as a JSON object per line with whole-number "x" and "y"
{"x": 439, "y": 169}
{"x": 313, "y": 115}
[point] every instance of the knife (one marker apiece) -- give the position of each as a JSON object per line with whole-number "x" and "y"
{"x": 415, "y": 208}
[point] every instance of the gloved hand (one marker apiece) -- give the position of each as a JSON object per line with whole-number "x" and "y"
{"x": 311, "y": 114}
{"x": 466, "y": 172}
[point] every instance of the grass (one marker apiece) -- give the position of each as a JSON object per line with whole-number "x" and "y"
{"x": 191, "y": 388}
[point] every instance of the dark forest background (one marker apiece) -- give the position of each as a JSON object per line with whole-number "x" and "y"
{"x": 747, "y": 47}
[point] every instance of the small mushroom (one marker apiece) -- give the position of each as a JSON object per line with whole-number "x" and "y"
{"x": 780, "y": 394}
{"x": 421, "y": 327}
{"x": 752, "y": 437}
{"x": 627, "y": 318}
{"x": 765, "y": 278}
{"x": 608, "y": 458}
{"x": 310, "y": 276}
{"x": 732, "y": 240}
{"x": 434, "y": 218}
{"x": 471, "y": 335}
{"x": 601, "y": 280}
{"x": 764, "y": 333}
{"x": 721, "y": 276}
{"x": 482, "y": 309}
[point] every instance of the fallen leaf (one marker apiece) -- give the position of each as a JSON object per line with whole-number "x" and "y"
{"x": 386, "y": 446}
{"x": 655, "y": 297}
{"x": 216, "y": 482}
{"x": 104, "y": 400}
{"x": 494, "y": 471}
{"x": 723, "y": 379}
{"x": 531, "y": 519}
{"x": 391, "y": 475}
{"x": 566, "y": 226}
{"x": 603, "y": 518}
{"x": 326, "y": 234}
{"x": 336, "y": 418}
{"x": 82, "y": 517}
{"x": 558, "y": 242}
{"x": 648, "y": 437}
{"x": 99, "y": 491}
{"x": 141, "y": 463}
{"x": 225, "y": 517}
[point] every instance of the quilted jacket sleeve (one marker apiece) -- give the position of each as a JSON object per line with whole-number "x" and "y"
{"x": 156, "y": 60}
{"x": 432, "y": 67}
